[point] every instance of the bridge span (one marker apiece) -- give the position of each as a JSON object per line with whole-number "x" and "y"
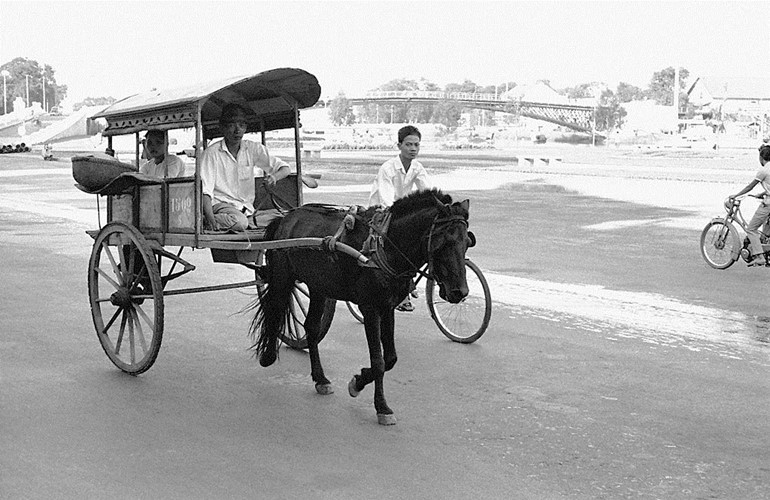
{"x": 575, "y": 117}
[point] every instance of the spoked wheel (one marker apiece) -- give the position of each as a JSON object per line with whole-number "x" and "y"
{"x": 467, "y": 320}
{"x": 720, "y": 244}
{"x": 126, "y": 294}
{"x": 355, "y": 311}
{"x": 294, "y": 334}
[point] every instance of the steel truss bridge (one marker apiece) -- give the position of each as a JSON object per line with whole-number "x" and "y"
{"x": 575, "y": 117}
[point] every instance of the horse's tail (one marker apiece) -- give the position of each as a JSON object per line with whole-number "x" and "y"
{"x": 271, "y": 305}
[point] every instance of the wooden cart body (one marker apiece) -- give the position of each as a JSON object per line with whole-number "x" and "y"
{"x": 130, "y": 268}
{"x": 169, "y": 212}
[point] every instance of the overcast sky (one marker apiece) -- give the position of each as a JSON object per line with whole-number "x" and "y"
{"x": 121, "y": 48}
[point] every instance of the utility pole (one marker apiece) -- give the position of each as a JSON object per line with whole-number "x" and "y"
{"x": 5, "y": 74}
{"x": 44, "y": 110}
{"x": 27, "y": 77}
{"x": 676, "y": 99}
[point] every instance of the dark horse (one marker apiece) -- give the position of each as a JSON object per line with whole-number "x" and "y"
{"x": 425, "y": 227}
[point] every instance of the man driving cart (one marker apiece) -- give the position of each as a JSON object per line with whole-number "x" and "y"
{"x": 228, "y": 172}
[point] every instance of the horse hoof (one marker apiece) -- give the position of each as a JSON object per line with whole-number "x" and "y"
{"x": 384, "y": 419}
{"x": 352, "y": 388}
{"x": 324, "y": 389}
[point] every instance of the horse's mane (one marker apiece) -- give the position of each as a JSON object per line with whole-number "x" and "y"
{"x": 418, "y": 200}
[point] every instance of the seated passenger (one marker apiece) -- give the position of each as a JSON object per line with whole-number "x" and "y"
{"x": 159, "y": 163}
{"x": 228, "y": 169}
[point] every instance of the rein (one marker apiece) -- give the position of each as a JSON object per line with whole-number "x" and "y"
{"x": 378, "y": 252}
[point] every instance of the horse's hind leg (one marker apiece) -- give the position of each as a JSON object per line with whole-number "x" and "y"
{"x": 312, "y": 325}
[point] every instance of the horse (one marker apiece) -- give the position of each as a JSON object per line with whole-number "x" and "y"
{"x": 424, "y": 227}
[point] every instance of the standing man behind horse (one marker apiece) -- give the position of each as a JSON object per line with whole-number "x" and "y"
{"x": 228, "y": 171}
{"x": 400, "y": 176}
{"x": 403, "y": 174}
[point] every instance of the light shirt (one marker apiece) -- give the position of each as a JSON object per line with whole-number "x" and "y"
{"x": 171, "y": 166}
{"x": 763, "y": 176}
{"x": 394, "y": 182}
{"x": 231, "y": 180}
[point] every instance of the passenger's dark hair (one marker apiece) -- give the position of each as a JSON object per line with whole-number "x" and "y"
{"x": 406, "y": 131}
{"x": 230, "y": 110}
{"x": 764, "y": 152}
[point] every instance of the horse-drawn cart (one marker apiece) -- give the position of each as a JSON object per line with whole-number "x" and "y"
{"x": 130, "y": 269}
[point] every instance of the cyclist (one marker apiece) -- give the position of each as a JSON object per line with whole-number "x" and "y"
{"x": 762, "y": 214}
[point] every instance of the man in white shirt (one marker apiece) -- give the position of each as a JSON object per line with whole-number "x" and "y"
{"x": 397, "y": 178}
{"x": 228, "y": 172}
{"x": 763, "y": 211}
{"x": 401, "y": 175}
{"x": 159, "y": 162}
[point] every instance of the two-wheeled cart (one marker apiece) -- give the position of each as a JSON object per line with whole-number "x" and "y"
{"x": 131, "y": 270}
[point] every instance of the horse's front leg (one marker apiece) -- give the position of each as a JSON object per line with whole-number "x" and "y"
{"x": 312, "y": 325}
{"x": 387, "y": 335}
{"x": 375, "y": 373}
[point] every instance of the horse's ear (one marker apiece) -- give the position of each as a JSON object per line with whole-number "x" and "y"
{"x": 465, "y": 205}
{"x": 441, "y": 206}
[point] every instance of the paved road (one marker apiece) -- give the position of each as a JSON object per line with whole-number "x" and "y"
{"x": 617, "y": 366}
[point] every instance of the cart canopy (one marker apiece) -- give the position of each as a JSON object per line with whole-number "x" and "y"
{"x": 272, "y": 96}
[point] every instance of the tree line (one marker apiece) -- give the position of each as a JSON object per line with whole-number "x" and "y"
{"x": 32, "y": 82}
{"x": 35, "y": 82}
{"x": 609, "y": 110}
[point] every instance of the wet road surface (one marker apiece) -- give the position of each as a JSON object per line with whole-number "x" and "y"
{"x": 617, "y": 365}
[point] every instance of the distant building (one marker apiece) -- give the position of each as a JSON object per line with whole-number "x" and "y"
{"x": 646, "y": 117}
{"x": 745, "y": 99}
{"x": 541, "y": 92}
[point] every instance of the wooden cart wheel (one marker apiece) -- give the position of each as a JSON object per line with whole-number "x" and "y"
{"x": 294, "y": 334}
{"x": 126, "y": 295}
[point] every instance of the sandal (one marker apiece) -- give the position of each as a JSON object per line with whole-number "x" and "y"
{"x": 405, "y": 306}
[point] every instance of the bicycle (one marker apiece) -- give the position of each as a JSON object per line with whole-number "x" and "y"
{"x": 720, "y": 241}
{"x": 464, "y": 322}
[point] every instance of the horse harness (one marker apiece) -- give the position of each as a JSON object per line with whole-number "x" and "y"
{"x": 374, "y": 245}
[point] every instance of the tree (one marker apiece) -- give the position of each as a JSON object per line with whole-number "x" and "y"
{"x": 582, "y": 91}
{"x": 609, "y": 114}
{"x": 627, "y": 92}
{"x": 341, "y": 111}
{"x": 25, "y": 72}
{"x": 447, "y": 112}
{"x": 662, "y": 86}
{"x": 504, "y": 87}
{"x": 467, "y": 87}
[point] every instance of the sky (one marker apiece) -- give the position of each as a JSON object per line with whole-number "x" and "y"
{"x": 119, "y": 48}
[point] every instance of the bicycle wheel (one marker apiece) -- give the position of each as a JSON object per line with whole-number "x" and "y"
{"x": 466, "y": 321}
{"x": 720, "y": 244}
{"x": 294, "y": 334}
{"x": 355, "y": 311}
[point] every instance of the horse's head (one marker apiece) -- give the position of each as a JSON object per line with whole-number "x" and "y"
{"x": 448, "y": 240}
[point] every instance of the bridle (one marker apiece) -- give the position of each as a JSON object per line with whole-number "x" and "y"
{"x": 380, "y": 259}
{"x": 440, "y": 222}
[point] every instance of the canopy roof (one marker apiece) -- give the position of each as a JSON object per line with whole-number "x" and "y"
{"x": 272, "y": 97}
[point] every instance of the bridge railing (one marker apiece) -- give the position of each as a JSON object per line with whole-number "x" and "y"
{"x": 430, "y": 94}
